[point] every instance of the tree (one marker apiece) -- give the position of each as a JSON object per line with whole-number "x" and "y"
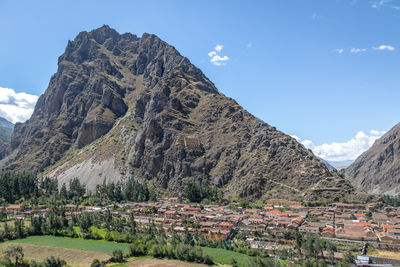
{"x": 132, "y": 224}
{"x": 19, "y": 228}
{"x": 117, "y": 256}
{"x": 54, "y": 262}
{"x": 299, "y": 243}
{"x": 85, "y": 222}
{"x": 349, "y": 257}
{"x": 368, "y": 215}
{"x": 97, "y": 263}
{"x": 49, "y": 186}
{"x": 14, "y": 256}
{"x": 63, "y": 191}
{"x": 76, "y": 189}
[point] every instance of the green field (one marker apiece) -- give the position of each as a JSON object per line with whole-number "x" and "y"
{"x": 224, "y": 256}
{"x": 221, "y": 256}
{"x": 74, "y": 243}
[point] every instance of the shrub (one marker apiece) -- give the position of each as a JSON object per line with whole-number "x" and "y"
{"x": 54, "y": 262}
{"x": 117, "y": 256}
{"x": 97, "y": 263}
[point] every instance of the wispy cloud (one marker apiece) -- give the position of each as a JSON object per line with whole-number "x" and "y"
{"x": 249, "y": 45}
{"x": 386, "y": 4}
{"x": 380, "y": 3}
{"x": 339, "y": 50}
{"x": 358, "y": 50}
{"x": 216, "y": 58}
{"x": 316, "y": 16}
{"x": 385, "y": 47}
{"x": 344, "y": 151}
{"x": 16, "y": 107}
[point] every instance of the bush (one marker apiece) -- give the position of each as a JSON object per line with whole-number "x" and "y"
{"x": 54, "y": 262}
{"x": 117, "y": 256}
{"x": 137, "y": 249}
{"x": 14, "y": 256}
{"x": 97, "y": 263}
{"x": 263, "y": 262}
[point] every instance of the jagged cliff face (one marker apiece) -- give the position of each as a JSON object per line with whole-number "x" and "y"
{"x": 6, "y": 129}
{"x": 378, "y": 169}
{"x": 122, "y": 106}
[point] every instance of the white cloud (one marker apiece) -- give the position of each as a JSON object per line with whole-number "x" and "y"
{"x": 350, "y": 150}
{"x": 339, "y": 50}
{"x": 219, "y": 47}
{"x": 385, "y": 47}
{"x": 358, "y": 50}
{"x": 215, "y": 58}
{"x": 16, "y": 107}
{"x": 219, "y": 61}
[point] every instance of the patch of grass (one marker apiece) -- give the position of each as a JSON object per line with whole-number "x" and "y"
{"x": 224, "y": 256}
{"x": 384, "y": 254}
{"x": 73, "y": 257}
{"x": 74, "y": 243}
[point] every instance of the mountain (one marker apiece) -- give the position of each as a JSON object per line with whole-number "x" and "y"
{"x": 339, "y": 165}
{"x": 6, "y": 129}
{"x": 120, "y": 106}
{"x": 378, "y": 169}
{"x": 327, "y": 164}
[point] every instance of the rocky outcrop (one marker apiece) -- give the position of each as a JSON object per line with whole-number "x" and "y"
{"x": 378, "y": 169}
{"x": 6, "y": 129}
{"x": 123, "y": 106}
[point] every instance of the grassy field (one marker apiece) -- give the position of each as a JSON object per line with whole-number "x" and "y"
{"x": 384, "y": 254}
{"x": 73, "y": 243}
{"x": 73, "y": 257}
{"x": 150, "y": 262}
{"x": 225, "y": 256}
{"x": 81, "y": 252}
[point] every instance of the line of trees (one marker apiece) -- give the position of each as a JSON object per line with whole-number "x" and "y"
{"x": 197, "y": 191}
{"x": 14, "y": 186}
{"x": 393, "y": 201}
{"x": 26, "y": 186}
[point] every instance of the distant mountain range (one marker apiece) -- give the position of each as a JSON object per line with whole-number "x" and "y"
{"x": 339, "y": 165}
{"x": 378, "y": 169}
{"x": 122, "y": 106}
{"x": 6, "y": 129}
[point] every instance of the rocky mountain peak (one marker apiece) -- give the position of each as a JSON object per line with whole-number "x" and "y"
{"x": 122, "y": 106}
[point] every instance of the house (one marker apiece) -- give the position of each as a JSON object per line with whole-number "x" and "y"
{"x": 353, "y": 233}
{"x": 308, "y": 229}
{"x": 328, "y": 232}
{"x": 189, "y": 208}
{"x": 255, "y": 220}
{"x": 218, "y": 234}
{"x": 226, "y": 225}
{"x": 272, "y": 213}
{"x": 170, "y": 213}
{"x": 389, "y": 236}
{"x": 15, "y": 208}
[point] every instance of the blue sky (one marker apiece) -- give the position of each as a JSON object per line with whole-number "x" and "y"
{"x": 320, "y": 70}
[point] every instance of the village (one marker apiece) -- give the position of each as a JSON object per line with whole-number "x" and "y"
{"x": 348, "y": 222}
